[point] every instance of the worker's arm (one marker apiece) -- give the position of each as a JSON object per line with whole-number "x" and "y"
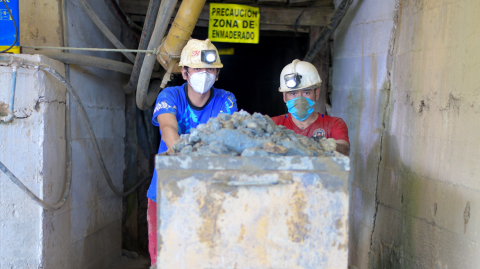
{"x": 343, "y": 147}
{"x": 169, "y": 128}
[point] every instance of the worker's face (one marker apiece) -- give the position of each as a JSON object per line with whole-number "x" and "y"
{"x": 311, "y": 94}
{"x": 192, "y": 71}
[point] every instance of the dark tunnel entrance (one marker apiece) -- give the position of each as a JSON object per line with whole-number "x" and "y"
{"x": 252, "y": 72}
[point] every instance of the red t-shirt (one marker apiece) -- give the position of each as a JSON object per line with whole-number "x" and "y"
{"x": 329, "y": 127}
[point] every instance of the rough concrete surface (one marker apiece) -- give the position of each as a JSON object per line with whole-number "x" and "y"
{"x": 86, "y": 232}
{"x": 242, "y": 212}
{"x": 429, "y": 171}
{"x": 406, "y": 82}
{"x": 360, "y": 93}
{"x": 33, "y": 148}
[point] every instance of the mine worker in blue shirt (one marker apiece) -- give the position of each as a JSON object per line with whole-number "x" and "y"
{"x": 181, "y": 108}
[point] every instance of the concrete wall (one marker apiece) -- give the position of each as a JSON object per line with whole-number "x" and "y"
{"x": 428, "y": 195}
{"x": 89, "y": 233}
{"x": 360, "y": 94}
{"x": 32, "y": 148}
{"x": 86, "y": 232}
{"x": 406, "y": 82}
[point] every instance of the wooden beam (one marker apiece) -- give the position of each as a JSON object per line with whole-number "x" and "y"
{"x": 268, "y": 15}
{"x": 271, "y": 2}
{"x": 287, "y": 16}
{"x": 300, "y": 2}
{"x": 267, "y": 27}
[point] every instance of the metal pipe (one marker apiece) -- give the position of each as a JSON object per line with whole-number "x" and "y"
{"x": 180, "y": 32}
{"x": 328, "y": 30}
{"x": 85, "y": 60}
{"x": 98, "y": 22}
{"x": 177, "y": 38}
{"x": 92, "y": 61}
{"x": 9, "y": 116}
{"x": 163, "y": 18}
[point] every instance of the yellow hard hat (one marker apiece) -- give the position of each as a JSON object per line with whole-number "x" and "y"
{"x": 200, "y": 54}
{"x": 299, "y": 75}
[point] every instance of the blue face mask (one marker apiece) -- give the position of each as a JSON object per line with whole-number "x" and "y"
{"x": 300, "y": 108}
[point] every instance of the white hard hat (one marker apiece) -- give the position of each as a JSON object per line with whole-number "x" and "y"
{"x": 299, "y": 75}
{"x": 200, "y": 54}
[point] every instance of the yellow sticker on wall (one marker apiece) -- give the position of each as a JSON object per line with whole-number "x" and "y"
{"x": 234, "y": 23}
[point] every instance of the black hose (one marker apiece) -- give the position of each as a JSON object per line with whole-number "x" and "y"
{"x": 122, "y": 17}
{"x": 73, "y": 93}
{"x": 163, "y": 18}
{"x": 328, "y": 30}
{"x": 148, "y": 28}
{"x": 14, "y": 24}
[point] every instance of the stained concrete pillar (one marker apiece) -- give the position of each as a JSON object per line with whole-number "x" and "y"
{"x": 33, "y": 148}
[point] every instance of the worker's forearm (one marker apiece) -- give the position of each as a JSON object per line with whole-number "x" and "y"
{"x": 344, "y": 149}
{"x": 169, "y": 136}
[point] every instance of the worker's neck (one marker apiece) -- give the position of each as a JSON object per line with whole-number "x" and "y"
{"x": 307, "y": 122}
{"x": 198, "y": 99}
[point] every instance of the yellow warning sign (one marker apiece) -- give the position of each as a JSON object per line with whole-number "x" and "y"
{"x": 234, "y": 23}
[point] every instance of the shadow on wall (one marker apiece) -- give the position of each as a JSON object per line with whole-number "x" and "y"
{"x": 410, "y": 222}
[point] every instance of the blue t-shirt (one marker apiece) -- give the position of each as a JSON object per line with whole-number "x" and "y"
{"x": 174, "y": 100}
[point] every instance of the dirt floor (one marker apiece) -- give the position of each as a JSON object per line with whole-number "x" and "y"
{"x": 124, "y": 262}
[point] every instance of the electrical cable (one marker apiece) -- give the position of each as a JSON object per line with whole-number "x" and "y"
{"x": 14, "y": 24}
{"x": 73, "y": 93}
{"x": 121, "y": 16}
{"x": 328, "y": 30}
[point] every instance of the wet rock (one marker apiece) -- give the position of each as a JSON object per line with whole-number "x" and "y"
{"x": 186, "y": 150}
{"x": 255, "y": 151}
{"x": 242, "y": 134}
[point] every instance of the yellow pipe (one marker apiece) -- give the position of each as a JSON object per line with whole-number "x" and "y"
{"x": 180, "y": 32}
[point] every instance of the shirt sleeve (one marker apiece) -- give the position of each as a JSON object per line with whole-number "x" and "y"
{"x": 339, "y": 130}
{"x": 231, "y": 104}
{"x": 166, "y": 103}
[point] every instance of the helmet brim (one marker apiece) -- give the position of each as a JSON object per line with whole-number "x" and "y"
{"x": 315, "y": 86}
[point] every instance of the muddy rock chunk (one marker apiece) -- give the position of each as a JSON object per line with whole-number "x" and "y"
{"x": 328, "y": 144}
{"x": 243, "y": 134}
{"x": 274, "y": 148}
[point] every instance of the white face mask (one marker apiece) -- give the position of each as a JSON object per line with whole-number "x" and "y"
{"x": 201, "y": 82}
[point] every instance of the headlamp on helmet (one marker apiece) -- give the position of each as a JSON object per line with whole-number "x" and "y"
{"x": 208, "y": 56}
{"x": 292, "y": 80}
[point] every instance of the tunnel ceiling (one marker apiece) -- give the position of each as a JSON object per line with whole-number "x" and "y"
{"x": 275, "y": 15}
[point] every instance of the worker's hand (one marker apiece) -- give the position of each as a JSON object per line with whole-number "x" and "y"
{"x": 169, "y": 128}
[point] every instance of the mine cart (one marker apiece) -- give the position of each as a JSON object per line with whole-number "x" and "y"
{"x": 252, "y": 212}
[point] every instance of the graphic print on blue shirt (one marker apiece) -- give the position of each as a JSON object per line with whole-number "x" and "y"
{"x": 187, "y": 118}
{"x": 174, "y": 101}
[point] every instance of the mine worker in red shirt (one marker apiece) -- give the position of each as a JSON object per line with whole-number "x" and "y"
{"x": 300, "y": 85}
